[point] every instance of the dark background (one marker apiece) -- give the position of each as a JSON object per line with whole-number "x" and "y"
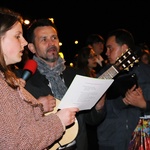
{"x": 75, "y": 20}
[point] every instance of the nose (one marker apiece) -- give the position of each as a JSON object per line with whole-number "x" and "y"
{"x": 24, "y": 42}
{"x": 107, "y": 52}
{"x": 50, "y": 42}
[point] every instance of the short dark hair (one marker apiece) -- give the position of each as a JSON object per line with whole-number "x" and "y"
{"x": 34, "y": 25}
{"x": 94, "y": 38}
{"x": 123, "y": 36}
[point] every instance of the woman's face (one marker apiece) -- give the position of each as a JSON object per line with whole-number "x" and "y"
{"x": 92, "y": 63}
{"x": 12, "y": 43}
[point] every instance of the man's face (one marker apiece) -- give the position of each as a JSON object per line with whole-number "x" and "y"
{"x": 114, "y": 50}
{"x": 46, "y": 43}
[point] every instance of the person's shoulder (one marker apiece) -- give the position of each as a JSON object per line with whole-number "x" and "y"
{"x": 142, "y": 71}
{"x": 141, "y": 64}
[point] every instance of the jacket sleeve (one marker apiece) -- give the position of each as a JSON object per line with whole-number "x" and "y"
{"x": 147, "y": 110}
{"x": 22, "y": 123}
{"x": 94, "y": 117}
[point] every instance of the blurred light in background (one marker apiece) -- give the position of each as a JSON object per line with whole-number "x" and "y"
{"x": 71, "y": 65}
{"x": 60, "y": 43}
{"x": 26, "y": 22}
{"x": 76, "y": 42}
{"x": 52, "y": 19}
{"x": 61, "y": 54}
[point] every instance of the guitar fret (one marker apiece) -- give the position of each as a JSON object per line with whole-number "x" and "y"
{"x": 109, "y": 74}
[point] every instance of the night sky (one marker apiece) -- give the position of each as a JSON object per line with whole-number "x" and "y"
{"x": 75, "y": 20}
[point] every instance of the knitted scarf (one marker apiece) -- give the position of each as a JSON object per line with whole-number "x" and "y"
{"x": 56, "y": 83}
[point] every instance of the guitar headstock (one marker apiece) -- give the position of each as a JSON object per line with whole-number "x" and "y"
{"x": 126, "y": 60}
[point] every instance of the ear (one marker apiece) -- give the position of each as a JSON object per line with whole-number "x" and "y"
{"x": 31, "y": 47}
{"x": 124, "y": 48}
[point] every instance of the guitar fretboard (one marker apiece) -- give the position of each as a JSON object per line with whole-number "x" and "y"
{"x": 109, "y": 74}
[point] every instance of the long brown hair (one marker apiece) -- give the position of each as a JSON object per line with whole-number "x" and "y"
{"x": 82, "y": 61}
{"x": 7, "y": 19}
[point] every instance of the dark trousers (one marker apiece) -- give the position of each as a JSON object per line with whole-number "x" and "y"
{"x": 92, "y": 137}
{"x": 101, "y": 147}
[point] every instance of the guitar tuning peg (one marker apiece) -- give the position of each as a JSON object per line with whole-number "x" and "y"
{"x": 136, "y": 61}
{"x": 127, "y": 69}
{"x": 131, "y": 65}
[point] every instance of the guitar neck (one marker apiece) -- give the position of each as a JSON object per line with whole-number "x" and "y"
{"x": 109, "y": 74}
{"x": 125, "y": 62}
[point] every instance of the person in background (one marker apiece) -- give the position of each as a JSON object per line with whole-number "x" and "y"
{"x": 86, "y": 61}
{"x": 44, "y": 44}
{"x": 23, "y": 124}
{"x": 127, "y": 99}
{"x": 145, "y": 54}
{"x": 145, "y": 57}
{"x": 97, "y": 42}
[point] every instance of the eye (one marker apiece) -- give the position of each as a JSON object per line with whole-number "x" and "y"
{"x": 17, "y": 36}
{"x": 54, "y": 37}
{"x": 91, "y": 56}
{"x": 43, "y": 39}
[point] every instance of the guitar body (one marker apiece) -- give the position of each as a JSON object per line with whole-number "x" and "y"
{"x": 68, "y": 136}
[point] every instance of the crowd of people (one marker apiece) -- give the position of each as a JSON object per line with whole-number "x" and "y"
{"x": 107, "y": 126}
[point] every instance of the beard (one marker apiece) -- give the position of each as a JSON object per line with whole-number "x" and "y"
{"x": 52, "y": 58}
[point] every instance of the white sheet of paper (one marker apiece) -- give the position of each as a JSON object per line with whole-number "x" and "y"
{"x": 84, "y": 92}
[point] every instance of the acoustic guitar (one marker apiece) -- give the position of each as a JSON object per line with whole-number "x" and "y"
{"x": 124, "y": 62}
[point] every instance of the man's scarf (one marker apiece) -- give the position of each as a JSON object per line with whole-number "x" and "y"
{"x": 57, "y": 85}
